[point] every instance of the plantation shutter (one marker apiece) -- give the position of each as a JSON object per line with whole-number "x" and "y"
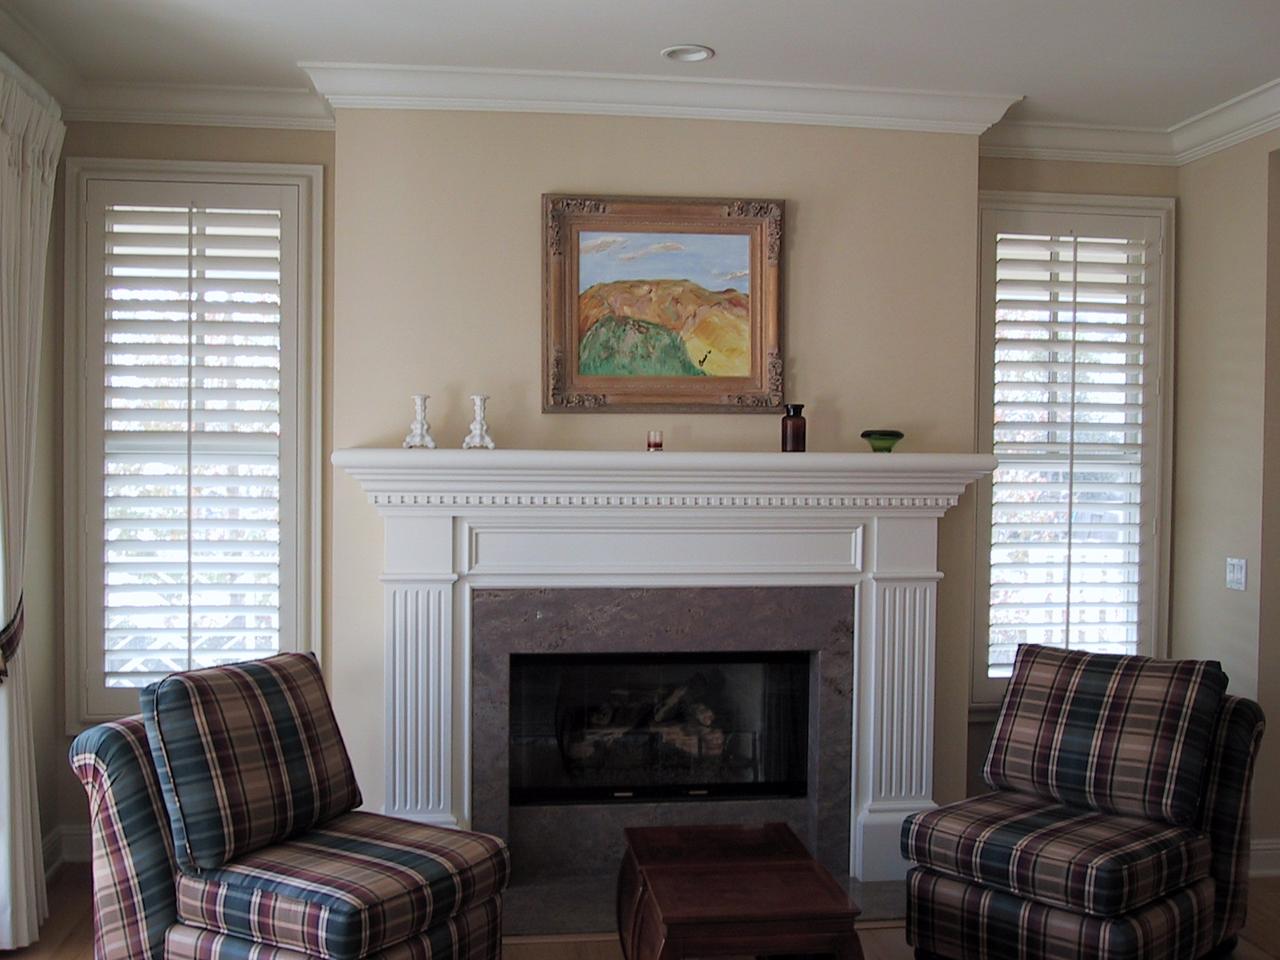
{"x": 192, "y": 310}
{"x": 1075, "y": 361}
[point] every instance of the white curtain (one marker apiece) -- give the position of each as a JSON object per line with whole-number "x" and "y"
{"x": 30, "y": 140}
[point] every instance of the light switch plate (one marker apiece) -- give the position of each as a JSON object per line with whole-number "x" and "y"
{"x": 1235, "y": 573}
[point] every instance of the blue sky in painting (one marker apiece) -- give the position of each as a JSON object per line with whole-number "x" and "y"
{"x": 717, "y": 261}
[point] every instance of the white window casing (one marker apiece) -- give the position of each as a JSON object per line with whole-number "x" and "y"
{"x": 191, "y": 419}
{"x": 1075, "y": 400}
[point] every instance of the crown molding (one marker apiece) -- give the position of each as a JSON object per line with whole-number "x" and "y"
{"x": 373, "y": 86}
{"x": 1077, "y": 142}
{"x": 1238, "y": 119}
{"x": 81, "y": 100}
{"x": 204, "y": 106}
{"x": 1234, "y": 121}
{"x": 36, "y": 58}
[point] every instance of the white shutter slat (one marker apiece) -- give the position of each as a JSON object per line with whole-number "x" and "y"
{"x": 140, "y": 289}
{"x": 177, "y": 220}
{"x": 145, "y": 392}
{"x": 1091, "y": 312}
{"x": 175, "y": 305}
{"x": 1014, "y": 269}
{"x": 1011, "y": 246}
{"x": 175, "y": 326}
{"x": 182, "y": 263}
{"x": 197, "y": 502}
{"x": 1075, "y": 289}
{"x": 1070, "y": 403}
{"x": 121, "y": 240}
{"x": 191, "y": 440}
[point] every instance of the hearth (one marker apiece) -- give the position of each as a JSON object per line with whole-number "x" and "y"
{"x": 591, "y": 728}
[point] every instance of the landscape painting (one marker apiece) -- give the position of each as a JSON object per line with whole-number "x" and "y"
{"x": 664, "y": 304}
{"x": 653, "y": 303}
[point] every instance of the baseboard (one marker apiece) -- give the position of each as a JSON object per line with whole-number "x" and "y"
{"x": 66, "y": 844}
{"x": 1264, "y": 858}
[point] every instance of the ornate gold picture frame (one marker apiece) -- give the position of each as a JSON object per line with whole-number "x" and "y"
{"x": 661, "y": 304}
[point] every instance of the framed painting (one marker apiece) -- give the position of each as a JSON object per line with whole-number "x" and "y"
{"x": 661, "y": 304}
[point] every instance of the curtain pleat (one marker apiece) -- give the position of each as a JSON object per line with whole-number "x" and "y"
{"x": 30, "y": 142}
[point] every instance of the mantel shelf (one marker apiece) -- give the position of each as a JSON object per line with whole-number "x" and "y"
{"x": 591, "y": 478}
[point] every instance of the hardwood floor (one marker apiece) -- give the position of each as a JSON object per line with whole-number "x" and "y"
{"x": 68, "y": 933}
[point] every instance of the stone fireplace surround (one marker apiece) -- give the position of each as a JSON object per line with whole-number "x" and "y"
{"x": 555, "y": 840}
{"x": 458, "y": 522}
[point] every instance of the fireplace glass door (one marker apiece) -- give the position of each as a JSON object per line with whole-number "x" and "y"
{"x": 632, "y": 727}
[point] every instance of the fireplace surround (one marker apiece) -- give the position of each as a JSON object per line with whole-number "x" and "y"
{"x": 460, "y": 522}
{"x": 811, "y": 627}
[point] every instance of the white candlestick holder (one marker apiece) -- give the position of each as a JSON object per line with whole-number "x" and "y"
{"x": 419, "y": 430}
{"x": 479, "y": 437}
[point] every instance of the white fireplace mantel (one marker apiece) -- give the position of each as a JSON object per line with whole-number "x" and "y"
{"x": 460, "y": 520}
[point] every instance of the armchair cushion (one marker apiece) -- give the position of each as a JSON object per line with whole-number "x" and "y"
{"x": 356, "y": 886}
{"x": 1101, "y": 864}
{"x": 247, "y": 755}
{"x": 966, "y": 921}
{"x": 1126, "y": 735}
{"x": 474, "y": 934}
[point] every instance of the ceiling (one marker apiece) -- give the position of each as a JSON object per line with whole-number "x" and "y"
{"x": 1147, "y": 64}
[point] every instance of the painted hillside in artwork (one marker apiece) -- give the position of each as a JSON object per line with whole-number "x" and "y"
{"x": 664, "y": 305}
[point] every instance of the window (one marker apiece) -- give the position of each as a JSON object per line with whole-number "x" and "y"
{"x": 1073, "y": 402}
{"x": 193, "y": 315}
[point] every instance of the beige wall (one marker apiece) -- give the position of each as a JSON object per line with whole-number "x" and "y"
{"x": 1060, "y": 176}
{"x": 1268, "y": 820}
{"x": 1219, "y": 382}
{"x": 1227, "y": 368}
{"x": 438, "y": 290}
{"x": 61, "y": 799}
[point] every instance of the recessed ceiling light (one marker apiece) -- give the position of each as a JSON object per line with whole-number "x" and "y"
{"x": 688, "y": 53}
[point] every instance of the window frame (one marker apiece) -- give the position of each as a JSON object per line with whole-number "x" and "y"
{"x": 302, "y": 499}
{"x": 985, "y": 691}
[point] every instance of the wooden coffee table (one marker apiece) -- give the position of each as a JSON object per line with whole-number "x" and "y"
{"x": 704, "y": 891}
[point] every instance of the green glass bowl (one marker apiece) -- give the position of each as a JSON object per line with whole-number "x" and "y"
{"x": 882, "y": 441}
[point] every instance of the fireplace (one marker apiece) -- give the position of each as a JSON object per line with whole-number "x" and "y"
{"x": 469, "y": 536}
{"x": 592, "y": 728}
{"x": 659, "y": 659}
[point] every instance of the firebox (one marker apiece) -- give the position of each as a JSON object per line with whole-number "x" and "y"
{"x": 591, "y": 728}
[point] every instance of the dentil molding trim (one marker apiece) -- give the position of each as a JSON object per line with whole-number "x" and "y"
{"x": 393, "y": 86}
{"x": 1238, "y": 119}
{"x": 447, "y": 479}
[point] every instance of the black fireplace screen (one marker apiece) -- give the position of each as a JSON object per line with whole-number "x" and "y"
{"x": 629, "y": 727}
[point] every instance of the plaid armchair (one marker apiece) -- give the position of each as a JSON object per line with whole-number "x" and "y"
{"x": 224, "y": 828}
{"x": 1119, "y": 823}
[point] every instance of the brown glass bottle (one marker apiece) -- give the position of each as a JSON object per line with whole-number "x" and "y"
{"x": 793, "y": 426}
